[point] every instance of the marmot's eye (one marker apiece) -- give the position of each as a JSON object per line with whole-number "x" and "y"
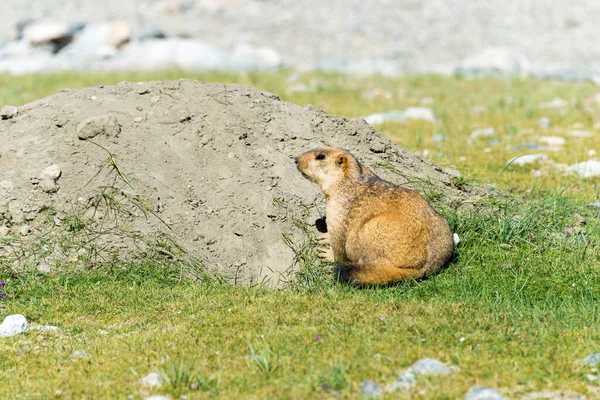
{"x": 320, "y": 156}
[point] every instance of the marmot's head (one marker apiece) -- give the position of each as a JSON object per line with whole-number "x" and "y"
{"x": 327, "y": 166}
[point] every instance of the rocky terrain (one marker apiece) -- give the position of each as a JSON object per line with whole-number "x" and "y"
{"x": 519, "y": 37}
{"x": 205, "y": 167}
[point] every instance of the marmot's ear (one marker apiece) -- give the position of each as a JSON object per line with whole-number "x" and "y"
{"x": 342, "y": 161}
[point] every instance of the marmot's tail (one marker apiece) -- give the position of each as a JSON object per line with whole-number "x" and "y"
{"x": 373, "y": 274}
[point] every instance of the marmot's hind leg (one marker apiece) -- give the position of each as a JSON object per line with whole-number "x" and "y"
{"x": 373, "y": 274}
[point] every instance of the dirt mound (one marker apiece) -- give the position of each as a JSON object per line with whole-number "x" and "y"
{"x": 209, "y": 166}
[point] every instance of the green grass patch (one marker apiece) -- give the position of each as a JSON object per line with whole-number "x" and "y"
{"x": 515, "y": 310}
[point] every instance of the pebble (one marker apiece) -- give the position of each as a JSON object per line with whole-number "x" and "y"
{"x": 8, "y": 112}
{"x": 586, "y": 169}
{"x": 48, "y": 328}
{"x": 138, "y": 119}
{"x": 544, "y": 122}
{"x": 153, "y": 379}
{"x": 495, "y": 60}
{"x": 483, "y": 393}
{"x": 406, "y": 380}
{"x": 380, "y": 118}
{"x": 556, "y": 103}
{"x": 13, "y": 325}
{"x": 455, "y": 239}
{"x": 579, "y": 133}
{"x": 370, "y": 389}
{"x": 591, "y": 360}
{"x": 594, "y": 205}
{"x": 45, "y": 32}
{"x": 484, "y": 132}
{"x": 45, "y": 268}
{"x": 80, "y": 354}
{"x": 24, "y": 230}
{"x": 552, "y": 140}
{"x": 52, "y": 172}
{"x": 7, "y": 185}
{"x": 527, "y": 159}
{"x": 410, "y": 114}
{"x": 158, "y": 397}
{"x": 4, "y": 231}
{"x": 420, "y": 113}
{"x": 99, "y": 125}
{"x": 429, "y": 367}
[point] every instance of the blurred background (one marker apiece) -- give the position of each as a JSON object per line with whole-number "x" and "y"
{"x": 525, "y": 37}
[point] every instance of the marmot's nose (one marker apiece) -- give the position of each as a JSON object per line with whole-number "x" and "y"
{"x": 297, "y": 160}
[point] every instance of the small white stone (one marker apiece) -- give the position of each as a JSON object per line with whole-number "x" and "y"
{"x": 158, "y": 397}
{"x": 526, "y": 159}
{"x": 24, "y": 230}
{"x": 553, "y": 140}
{"x": 484, "y": 132}
{"x": 138, "y": 119}
{"x": 4, "y": 231}
{"x": 8, "y": 112}
{"x": 487, "y": 150}
{"x": 556, "y": 103}
{"x": 80, "y": 354}
{"x": 13, "y": 325}
{"x": 579, "y": 133}
{"x": 430, "y": 366}
{"x": 456, "y": 239}
{"x": 6, "y": 185}
{"x": 591, "y": 153}
{"x": 45, "y": 268}
{"x": 153, "y": 379}
{"x": 586, "y": 169}
{"x": 483, "y": 393}
{"x": 51, "y": 172}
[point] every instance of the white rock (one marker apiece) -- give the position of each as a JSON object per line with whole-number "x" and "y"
{"x": 153, "y": 379}
{"x": 8, "y": 112}
{"x": 499, "y": 60}
{"x": 595, "y": 205}
{"x": 483, "y": 393}
{"x": 45, "y": 32}
{"x": 430, "y": 366}
{"x": 13, "y": 325}
{"x": 527, "y": 159}
{"x": 586, "y": 169}
{"x": 591, "y": 360}
{"x": 119, "y": 33}
{"x": 380, "y": 118}
{"x": 48, "y": 328}
{"x": 580, "y": 133}
{"x": 247, "y": 57}
{"x": 544, "y": 122}
{"x": 411, "y": 113}
{"x": 420, "y": 113}
{"x": 556, "y": 103}
{"x": 370, "y": 389}
{"x": 406, "y": 380}
{"x": 45, "y": 268}
{"x": 591, "y": 153}
{"x": 52, "y": 172}
{"x": 80, "y": 354}
{"x": 4, "y": 231}
{"x": 552, "y": 140}
{"x": 484, "y": 132}
{"x": 6, "y": 185}
{"x": 456, "y": 239}
{"x": 158, "y": 397}
{"x": 24, "y": 230}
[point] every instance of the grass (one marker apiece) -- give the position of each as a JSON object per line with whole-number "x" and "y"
{"x": 515, "y": 310}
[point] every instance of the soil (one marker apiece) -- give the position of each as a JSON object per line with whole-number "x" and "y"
{"x": 209, "y": 165}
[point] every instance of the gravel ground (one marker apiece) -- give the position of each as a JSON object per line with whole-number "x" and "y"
{"x": 391, "y": 37}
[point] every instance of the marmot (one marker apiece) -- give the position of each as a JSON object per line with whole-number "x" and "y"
{"x": 378, "y": 232}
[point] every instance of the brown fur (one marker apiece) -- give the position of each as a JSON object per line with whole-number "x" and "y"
{"x": 378, "y": 232}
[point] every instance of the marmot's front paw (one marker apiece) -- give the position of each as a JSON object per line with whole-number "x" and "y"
{"x": 324, "y": 248}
